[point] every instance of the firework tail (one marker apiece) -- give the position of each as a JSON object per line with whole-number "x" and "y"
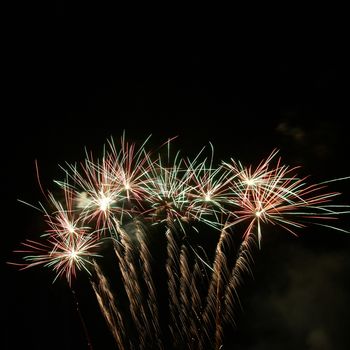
{"x": 187, "y": 286}
{"x": 184, "y": 294}
{"x": 199, "y": 310}
{"x": 146, "y": 269}
{"x": 195, "y": 301}
{"x": 109, "y": 308}
{"x": 128, "y": 267}
{"x": 212, "y": 313}
{"x": 172, "y": 270}
{"x": 89, "y": 343}
{"x": 241, "y": 267}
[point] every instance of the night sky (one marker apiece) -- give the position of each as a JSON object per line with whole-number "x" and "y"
{"x": 71, "y": 89}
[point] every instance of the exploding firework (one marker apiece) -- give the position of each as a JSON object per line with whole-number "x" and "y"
{"x": 130, "y": 195}
{"x": 277, "y": 196}
{"x": 63, "y": 255}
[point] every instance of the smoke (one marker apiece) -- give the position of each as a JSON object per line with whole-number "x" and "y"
{"x": 302, "y": 303}
{"x": 318, "y": 339}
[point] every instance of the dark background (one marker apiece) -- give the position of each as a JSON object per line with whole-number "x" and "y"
{"x": 70, "y": 86}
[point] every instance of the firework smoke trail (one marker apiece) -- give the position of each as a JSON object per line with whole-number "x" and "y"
{"x": 128, "y": 267}
{"x": 109, "y": 308}
{"x": 174, "y": 204}
{"x": 241, "y": 267}
{"x": 196, "y": 303}
{"x": 108, "y": 198}
{"x": 82, "y": 321}
{"x": 146, "y": 268}
{"x": 184, "y": 296}
{"x": 212, "y": 311}
{"x": 172, "y": 269}
{"x": 186, "y": 283}
{"x": 192, "y": 283}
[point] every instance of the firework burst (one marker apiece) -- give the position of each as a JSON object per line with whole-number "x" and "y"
{"x": 63, "y": 255}
{"x": 277, "y": 196}
{"x": 127, "y": 193}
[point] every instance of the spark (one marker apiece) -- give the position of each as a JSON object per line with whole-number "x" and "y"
{"x": 63, "y": 256}
{"x": 167, "y": 188}
{"x": 101, "y": 198}
{"x": 126, "y": 182}
{"x": 209, "y": 193}
{"x": 63, "y": 220}
{"x": 104, "y": 202}
{"x": 207, "y": 197}
{"x": 278, "y": 197}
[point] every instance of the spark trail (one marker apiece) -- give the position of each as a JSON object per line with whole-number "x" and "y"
{"x": 123, "y": 198}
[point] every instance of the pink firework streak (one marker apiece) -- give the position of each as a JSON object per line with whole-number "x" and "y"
{"x": 110, "y": 188}
{"x": 127, "y": 183}
{"x": 63, "y": 255}
{"x": 67, "y": 245}
{"x": 276, "y": 196}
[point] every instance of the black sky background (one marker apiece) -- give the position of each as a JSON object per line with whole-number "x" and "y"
{"x": 70, "y": 88}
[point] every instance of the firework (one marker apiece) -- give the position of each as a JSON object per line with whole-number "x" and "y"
{"x": 63, "y": 256}
{"x": 128, "y": 195}
{"x": 112, "y": 187}
{"x": 277, "y": 196}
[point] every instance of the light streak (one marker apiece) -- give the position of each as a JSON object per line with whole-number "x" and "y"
{"x": 129, "y": 187}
